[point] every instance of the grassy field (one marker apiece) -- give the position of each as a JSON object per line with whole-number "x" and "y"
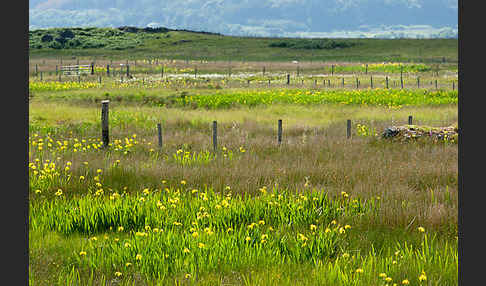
{"x": 317, "y": 209}
{"x": 113, "y": 44}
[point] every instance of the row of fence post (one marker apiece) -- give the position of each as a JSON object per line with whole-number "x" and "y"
{"x": 106, "y": 138}
{"x": 358, "y": 82}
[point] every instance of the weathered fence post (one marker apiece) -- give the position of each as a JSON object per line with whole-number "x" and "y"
{"x": 386, "y": 80}
{"x": 410, "y": 120}
{"x": 453, "y": 87}
{"x": 366, "y": 71}
{"x": 92, "y": 68}
{"x": 159, "y": 132}
{"x": 128, "y": 70}
{"x": 332, "y": 69}
{"x": 435, "y": 84}
{"x": 41, "y": 76}
{"x": 418, "y": 82}
{"x": 371, "y": 81}
{"x": 215, "y": 136}
{"x": 357, "y": 83}
{"x": 348, "y": 129}
{"x": 36, "y": 69}
{"x": 401, "y": 76}
{"x": 104, "y": 123}
{"x": 401, "y": 72}
{"x": 288, "y": 79}
{"x": 279, "y": 132}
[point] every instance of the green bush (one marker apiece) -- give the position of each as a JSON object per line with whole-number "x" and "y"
{"x": 46, "y": 38}
{"x": 73, "y": 43}
{"x": 55, "y": 45}
{"x": 311, "y": 44}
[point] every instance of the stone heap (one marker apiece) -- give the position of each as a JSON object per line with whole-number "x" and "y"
{"x": 410, "y": 132}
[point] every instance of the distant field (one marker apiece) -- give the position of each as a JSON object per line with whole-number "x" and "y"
{"x": 107, "y": 43}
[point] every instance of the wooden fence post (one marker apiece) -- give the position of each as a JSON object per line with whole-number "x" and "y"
{"x": 366, "y": 71}
{"x": 332, "y": 69}
{"x": 92, "y": 68}
{"x": 279, "y": 132}
{"x": 453, "y": 87}
{"x": 371, "y": 81}
{"x": 41, "y": 76}
{"x": 435, "y": 84}
{"x": 410, "y": 120}
{"x": 401, "y": 76}
{"x": 348, "y": 129}
{"x": 104, "y": 123}
{"x": 357, "y": 83}
{"x": 288, "y": 79}
{"x": 215, "y": 136}
{"x": 159, "y": 132}
{"x": 386, "y": 80}
{"x": 128, "y": 70}
{"x": 418, "y": 82}
{"x": 36, "y": 69}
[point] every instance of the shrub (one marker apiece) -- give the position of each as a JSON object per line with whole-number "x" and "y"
{"x": 73, "y": 43}
{"x": 67, "y": 34}
{"x": 311, "y": 44}
{"x": 61, "y": 40}
{"x": 46, "y": 38}
{"x": 55, "y": 45}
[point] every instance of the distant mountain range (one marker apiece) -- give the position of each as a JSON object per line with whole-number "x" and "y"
{"x": 270, "y": 18}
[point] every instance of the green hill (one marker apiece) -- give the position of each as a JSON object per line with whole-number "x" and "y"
{"x": 132, "y": 43}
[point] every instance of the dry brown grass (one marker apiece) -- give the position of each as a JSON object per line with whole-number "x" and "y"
{"x": 401, "y": 174}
